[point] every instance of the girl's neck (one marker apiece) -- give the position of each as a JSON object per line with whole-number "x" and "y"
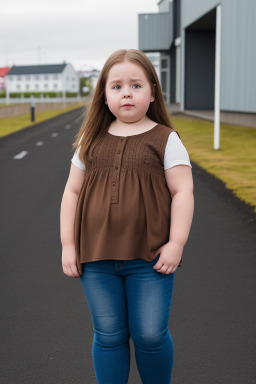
{"x": 122, "y": 128}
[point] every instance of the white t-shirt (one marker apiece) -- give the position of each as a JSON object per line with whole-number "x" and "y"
{"x": 175, "y": 154}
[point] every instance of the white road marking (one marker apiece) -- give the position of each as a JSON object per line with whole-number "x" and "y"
{"x": 39, "y": 143}
{"x": 68, "y": 126}
{"x": 55, "y": 134}
{"x": 20, "y": 155}
{"x": 77, "y": 120}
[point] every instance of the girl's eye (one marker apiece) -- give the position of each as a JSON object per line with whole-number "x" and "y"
{"x": 136, "y": 86}
{"x": 117, "y": 87}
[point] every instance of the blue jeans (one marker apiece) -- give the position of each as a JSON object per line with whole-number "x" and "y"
{"x": 128, "y": 298}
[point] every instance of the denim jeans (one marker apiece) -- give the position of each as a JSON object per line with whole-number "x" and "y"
{"x": 128, "y": 298}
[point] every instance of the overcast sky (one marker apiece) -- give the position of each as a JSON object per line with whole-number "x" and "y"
{"x": 81, "y": 32}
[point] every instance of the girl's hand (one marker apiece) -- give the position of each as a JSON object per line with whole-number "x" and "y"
{"x": 69, "y": 261}
{"x": 170, "y": 255}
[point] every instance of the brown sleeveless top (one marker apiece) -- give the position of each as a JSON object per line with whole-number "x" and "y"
{"x": 123, "y": 209}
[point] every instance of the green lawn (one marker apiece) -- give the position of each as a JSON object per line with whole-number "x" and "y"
{"x": 234, "y": 163}
{"x": 16, "y": 123}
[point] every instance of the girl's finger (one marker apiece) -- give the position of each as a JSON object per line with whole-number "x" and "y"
{"x": 169, "y": 270}
{"x": 163, "y": 269}
{"x": 158, "y": 265}
{"x": 75, "y": 271}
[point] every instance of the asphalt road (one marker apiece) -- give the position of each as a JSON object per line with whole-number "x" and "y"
{"x": 46, "y": 328}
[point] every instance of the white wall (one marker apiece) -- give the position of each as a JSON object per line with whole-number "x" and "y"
{"x": 44, "y": 82}
{"x": 70, "y": 79}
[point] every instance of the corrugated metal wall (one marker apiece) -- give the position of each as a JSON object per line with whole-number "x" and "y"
{"x": 238, "y": 53}
{"x": 155, "y": 33}
{"x": 191, "y": 10}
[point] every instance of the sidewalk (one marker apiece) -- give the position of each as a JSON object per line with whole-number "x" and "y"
{"x": 235, "y": 118}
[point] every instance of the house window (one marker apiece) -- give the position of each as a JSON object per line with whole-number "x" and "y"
{"x": 55, "y": 85}
{"x": 37, "y": 77}
{"x": 73, "y": 78}
{"x": 164, "y": 63}
{"x": 27, "y": 77}
{"x": 46, "y": 77}
{"x": 18, "y": 77}
{"x": 55, "y": 77}
{"x": 27, "y": 86}
{"x": 36, "y": 86}
{"x": 73, "y": 85}
{"x": 46, "y": 86}
{"x": 18, "y": 86}
{"x": 67, "y": 77}
{"x": 10, "y": 78}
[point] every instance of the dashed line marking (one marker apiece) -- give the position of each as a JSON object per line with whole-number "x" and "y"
{"x": 20, "y": 155}
{"x": 77, "y": 120}
{"x": 68, "y": 126}
{"x": 55, "y": 134}
{"x": 39, "y": 143}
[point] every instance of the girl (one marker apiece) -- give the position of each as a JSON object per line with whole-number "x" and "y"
{"x": 126, "y": 214}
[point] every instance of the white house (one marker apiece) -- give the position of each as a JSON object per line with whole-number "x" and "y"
{"x": 42, "y": 78}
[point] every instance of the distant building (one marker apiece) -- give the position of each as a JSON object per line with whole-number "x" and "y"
{"x": 184, "y": 32}
{"x": 42, "y": 78}
{"x": 89, "y": 73}
{"x": 3, "y": 73}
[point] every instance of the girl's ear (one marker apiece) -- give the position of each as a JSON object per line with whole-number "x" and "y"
{"x": 153, "y": 93}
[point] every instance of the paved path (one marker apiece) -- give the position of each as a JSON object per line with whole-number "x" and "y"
{"x": 46, "y": 328}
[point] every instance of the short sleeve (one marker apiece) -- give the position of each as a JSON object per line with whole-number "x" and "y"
{"x": 75, "y": 160}
{"x": 175, "y": 152}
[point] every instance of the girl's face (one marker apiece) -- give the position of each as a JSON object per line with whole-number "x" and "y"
{"x": 128, "y": 92}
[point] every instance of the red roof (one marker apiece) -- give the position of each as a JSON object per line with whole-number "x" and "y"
{"x": 4, "y": 71}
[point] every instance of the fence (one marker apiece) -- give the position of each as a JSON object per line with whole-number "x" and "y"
{"x": 22, "y": 106}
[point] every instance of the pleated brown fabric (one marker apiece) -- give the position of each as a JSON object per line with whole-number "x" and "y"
{"x": 123, "y": 209}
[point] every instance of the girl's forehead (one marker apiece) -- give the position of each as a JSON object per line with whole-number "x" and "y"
{"x": 126, "y": 69}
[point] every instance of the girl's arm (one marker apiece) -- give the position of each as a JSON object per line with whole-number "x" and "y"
{"x": 180, "y": 183}
{"x": 67, "y": 220}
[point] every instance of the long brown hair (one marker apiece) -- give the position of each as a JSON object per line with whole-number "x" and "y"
{"x": 98, "y": 116}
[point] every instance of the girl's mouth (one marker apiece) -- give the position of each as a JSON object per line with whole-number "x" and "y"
{"x": 127, "y": 105}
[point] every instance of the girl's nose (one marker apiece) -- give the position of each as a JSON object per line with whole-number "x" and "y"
{"x": 126, "y": 92}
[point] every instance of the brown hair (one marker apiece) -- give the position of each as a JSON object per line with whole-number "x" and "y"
{"x": 98, "y": 116}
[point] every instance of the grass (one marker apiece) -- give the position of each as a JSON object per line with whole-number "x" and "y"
{"x": 13, "y": 124}
{"x": 234, "y": 163}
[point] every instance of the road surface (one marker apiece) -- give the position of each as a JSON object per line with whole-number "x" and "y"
{"x": 46, "y": 328}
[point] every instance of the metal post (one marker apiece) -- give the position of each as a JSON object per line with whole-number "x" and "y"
{"x": 7, "y": 97}
{"x": 64, "y": 92}
{"x": 32, "y": 103}
{"x": 216, "y": 144}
